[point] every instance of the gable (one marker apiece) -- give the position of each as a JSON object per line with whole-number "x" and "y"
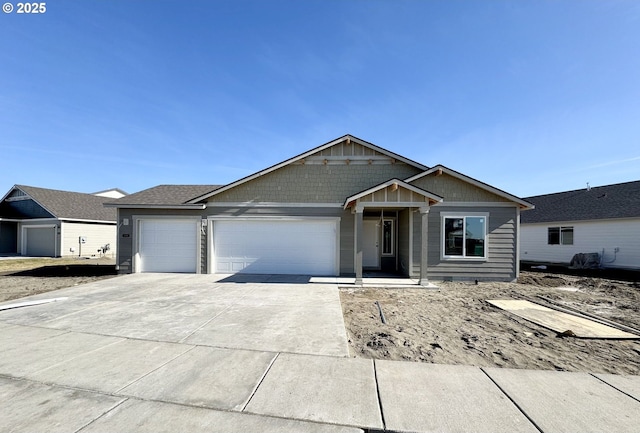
{"x": 22, "y": 206}
{"x": 315, "y": 182}
{"x": 346, "y": 150}
{"x": 394, "y": 192}
{"x": 454, "y": 189}
{"x": 32, "y": 202}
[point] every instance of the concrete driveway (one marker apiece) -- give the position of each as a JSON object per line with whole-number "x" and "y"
{"x": 116, "y": 353}
{"x": 167, "y": 353}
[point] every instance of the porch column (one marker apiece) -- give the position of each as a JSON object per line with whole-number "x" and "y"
{"x": 358, "y": 243}
{"x": 424, "y": 245}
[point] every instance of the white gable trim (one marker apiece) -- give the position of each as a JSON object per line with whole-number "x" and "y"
{"x": 29, "y": 197}
{"x": 304, "y": 155}
{"x": 441, "y": 168}
{"x": 420, "y": 191}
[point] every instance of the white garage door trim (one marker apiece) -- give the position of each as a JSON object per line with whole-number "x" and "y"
{"x": 24, "y": 237}
{"x": 292, "y": 235}
{"x": 187, "y": 259}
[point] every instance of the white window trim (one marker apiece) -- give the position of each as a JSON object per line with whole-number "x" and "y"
{"x": 463, "y": 215}
{"x": 560, "y": 237}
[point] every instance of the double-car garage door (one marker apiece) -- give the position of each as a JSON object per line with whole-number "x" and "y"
{"x": 306, "y": 246}
{"x": 290, "y": 246}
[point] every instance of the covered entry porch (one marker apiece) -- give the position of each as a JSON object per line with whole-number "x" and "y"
{"x": 383, "y": 231}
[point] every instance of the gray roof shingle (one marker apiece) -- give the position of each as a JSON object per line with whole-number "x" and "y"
{"x": 72, "y": 205}
{"x": 169, "y": 195}
{"x": 620, "y": 200}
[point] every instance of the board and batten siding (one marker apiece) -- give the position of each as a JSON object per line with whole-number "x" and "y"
{"x": 96, "y": 235}
{"x": 501, "y": 253}
{"x": 588, "y": 237}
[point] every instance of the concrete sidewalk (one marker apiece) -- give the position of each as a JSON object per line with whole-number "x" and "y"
{"x": 176, "y": 353}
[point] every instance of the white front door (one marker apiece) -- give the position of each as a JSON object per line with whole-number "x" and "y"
{"x": 371, "y": 244}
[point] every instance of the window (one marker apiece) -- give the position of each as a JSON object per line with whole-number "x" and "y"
{"x": 560, "y": 236}
{"x": 387, "y": 237}
{"x": 465, "y": 236}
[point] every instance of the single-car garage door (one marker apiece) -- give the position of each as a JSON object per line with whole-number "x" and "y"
{"x": 41, "y": 241}
{"x": 305, "y": 247}
{"x": 168, "y": 245}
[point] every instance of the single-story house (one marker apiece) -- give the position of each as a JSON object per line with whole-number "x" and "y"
{"x": 339, "y": 209}
{"x": 42, "y": 222}
{"x": 603, "y": 220}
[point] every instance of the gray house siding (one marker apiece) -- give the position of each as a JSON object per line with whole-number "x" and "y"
{"x": 455, "y": 190}
{"x": 126, "y": 247}
{"x": 126, "y": 232}
{"x": 310, "y": 183}
{"x": 501, "y": 246}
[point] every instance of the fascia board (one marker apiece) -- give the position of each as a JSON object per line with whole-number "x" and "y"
{"x": 304, "y": 155}
{"x": 388, "y": 183}
{"x": 156, "y": 206}
{"x": 524, "y": 204}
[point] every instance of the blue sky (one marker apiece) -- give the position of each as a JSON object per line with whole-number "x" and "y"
{"x": 531, "y": 97}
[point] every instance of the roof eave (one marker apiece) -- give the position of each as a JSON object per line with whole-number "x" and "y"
{"x": 156, "y": 206}
{"x": 523, "y": 204}
{"x": 304, "y": 155}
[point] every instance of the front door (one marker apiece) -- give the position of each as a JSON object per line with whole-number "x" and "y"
{"x": 371, "y": 244}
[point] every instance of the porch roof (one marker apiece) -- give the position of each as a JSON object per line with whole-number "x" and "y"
{"x": 393, "y": 193}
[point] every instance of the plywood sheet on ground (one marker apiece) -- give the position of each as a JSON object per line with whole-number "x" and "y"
{"x": 559, "y": 321}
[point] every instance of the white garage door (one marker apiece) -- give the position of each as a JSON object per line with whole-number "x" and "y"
{"x": 304, "y": 247}
{"x": 168, "y": 245}
{"x": 41, "y": 241}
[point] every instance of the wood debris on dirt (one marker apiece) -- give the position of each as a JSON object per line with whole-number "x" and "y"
{"x": 455, "y": 324}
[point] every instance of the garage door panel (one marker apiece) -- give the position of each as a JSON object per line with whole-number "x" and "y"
{"x": 168, "y": 245}
{"x": 284, "y": 247}
{"x": 41, "y": 241}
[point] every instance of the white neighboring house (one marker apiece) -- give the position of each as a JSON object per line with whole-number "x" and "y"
{"x": 42, "y": 222}
{"x": 603, "y": 220}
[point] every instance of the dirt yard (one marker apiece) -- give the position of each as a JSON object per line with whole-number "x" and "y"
{"x": 25, "y": 277}
{"x": 455, "y": 324}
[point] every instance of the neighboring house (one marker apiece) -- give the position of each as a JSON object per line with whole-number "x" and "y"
{"x": 603, "y": 220}
{"x": 338, "y": 209}
{"x": 43, "y": 222}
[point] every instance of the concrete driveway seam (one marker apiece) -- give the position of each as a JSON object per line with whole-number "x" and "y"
{"x": 204, "y": 324}
{"x": 157, "y": 368}
{"x": 77, "y": 356}
{"x": 111, "y": 409}
{"x": 515, "y": 403}
{"x": 260, "y": 382}
{"x": 614, "y": 387}
{"x": 375, "y": 378}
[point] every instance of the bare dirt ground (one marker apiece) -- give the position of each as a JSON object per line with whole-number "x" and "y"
{"x": 26, "y": 277}
{"x": 455, "y": 324}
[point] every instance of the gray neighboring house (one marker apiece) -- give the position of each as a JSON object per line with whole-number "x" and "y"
{"x": 42, "y": 222}
{"x": 339, "y": 209}
{"x": 603, "y": 220}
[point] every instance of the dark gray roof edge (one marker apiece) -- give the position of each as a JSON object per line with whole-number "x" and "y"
{"x": 582, "y": 189}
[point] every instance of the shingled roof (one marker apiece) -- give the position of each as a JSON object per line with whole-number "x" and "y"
{"x": 168, "y": 195}
{"x": 70, "y": 205}
{"x": 620, "y": 200}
